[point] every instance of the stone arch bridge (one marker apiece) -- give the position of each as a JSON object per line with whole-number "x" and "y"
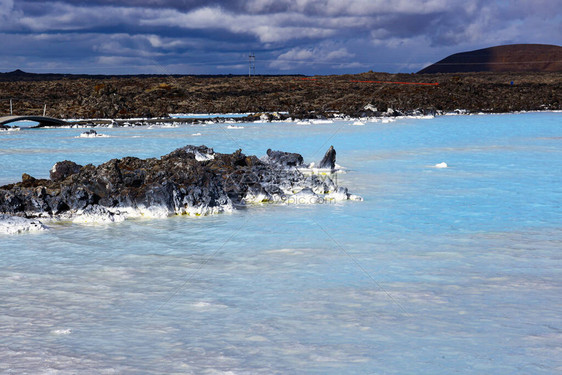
{"x": 42, "y": 120}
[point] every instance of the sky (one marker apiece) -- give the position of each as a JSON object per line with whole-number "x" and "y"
{"x": 286, "y": 36}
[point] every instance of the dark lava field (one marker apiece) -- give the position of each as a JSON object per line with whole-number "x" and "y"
{"x": 82, "y": 96}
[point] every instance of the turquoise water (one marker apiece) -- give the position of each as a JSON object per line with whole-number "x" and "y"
{"x": 437, "y": 271}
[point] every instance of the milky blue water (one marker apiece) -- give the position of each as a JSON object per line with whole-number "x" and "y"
{"x": 209, "y": 115}
{"x": 437, "y": 271}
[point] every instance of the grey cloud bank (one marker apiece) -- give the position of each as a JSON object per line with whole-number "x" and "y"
{"x": 287, "y": 36}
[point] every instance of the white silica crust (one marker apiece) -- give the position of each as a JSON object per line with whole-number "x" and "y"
{"x": 97, "y": 215}
{"x": 100, "y": 215}
{"x": 15, "y": 225}
{"x": 304, "y": 193}
{"x": 203, "y": 157}
{"x": 104, "y": 215}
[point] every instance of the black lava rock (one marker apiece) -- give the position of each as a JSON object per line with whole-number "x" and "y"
{"x": 187, "y": 179}
{"x": 63, "y": 169}
{"x": 329, "y": 159}
{"x": 287, "y": 159}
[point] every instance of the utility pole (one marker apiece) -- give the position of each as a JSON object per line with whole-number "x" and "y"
{"x": 44, "y": 110}
{"x": 11, "y": 112}
{"x": 252, "y": 64}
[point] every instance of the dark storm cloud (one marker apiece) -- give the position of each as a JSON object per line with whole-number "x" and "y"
{"x": 308, "y": 36}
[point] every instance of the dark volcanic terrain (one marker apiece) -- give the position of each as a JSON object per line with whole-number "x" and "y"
{"x": 157, "y": 96}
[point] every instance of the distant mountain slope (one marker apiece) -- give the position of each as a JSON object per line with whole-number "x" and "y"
{"x": 508, "y": 58}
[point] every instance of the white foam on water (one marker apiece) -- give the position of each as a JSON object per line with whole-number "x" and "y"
{"x": 285, "y": 251}
{"x": 60, "y": 332}
{"x": 204, "y": 305}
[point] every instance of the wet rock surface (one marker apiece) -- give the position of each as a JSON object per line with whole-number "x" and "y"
{"x": 189, "y": 180}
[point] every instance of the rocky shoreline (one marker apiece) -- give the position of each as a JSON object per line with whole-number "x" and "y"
{"x": 192, "y": 180}
{"x": 278, "y": 97}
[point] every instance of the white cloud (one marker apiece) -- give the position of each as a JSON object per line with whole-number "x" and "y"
{"x": 350, "y": 7}
{"x": 60, "y": 16}
{"x": 113, "y": 60}
{"x": 327, "y": 53}
{"x": 165, "y": 43}
{"x": 353, "y": 65}
{"x": 304, "y": 34}
{"x": 126, "y": 45}
{"x": 341, "y": 53}
{"x": 265, "y": 28}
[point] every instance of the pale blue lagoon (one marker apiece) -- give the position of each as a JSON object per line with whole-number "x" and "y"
{"x": 438, "y": 271}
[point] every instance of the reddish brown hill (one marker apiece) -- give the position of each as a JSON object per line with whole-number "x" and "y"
{"x": 508, "y": 58}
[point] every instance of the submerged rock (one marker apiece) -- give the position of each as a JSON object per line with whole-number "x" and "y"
{"x": 190, "y": 180}
{"x": 92, "y": 134}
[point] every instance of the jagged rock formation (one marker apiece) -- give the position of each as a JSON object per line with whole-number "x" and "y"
{"x": 189, "y": 180}
{"x": 63, "y": 169}
{"x": 329, "y": 159}
{"x": 508, "y": 58}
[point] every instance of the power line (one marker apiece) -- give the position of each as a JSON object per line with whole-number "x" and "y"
{"x": 251, "y": 64}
